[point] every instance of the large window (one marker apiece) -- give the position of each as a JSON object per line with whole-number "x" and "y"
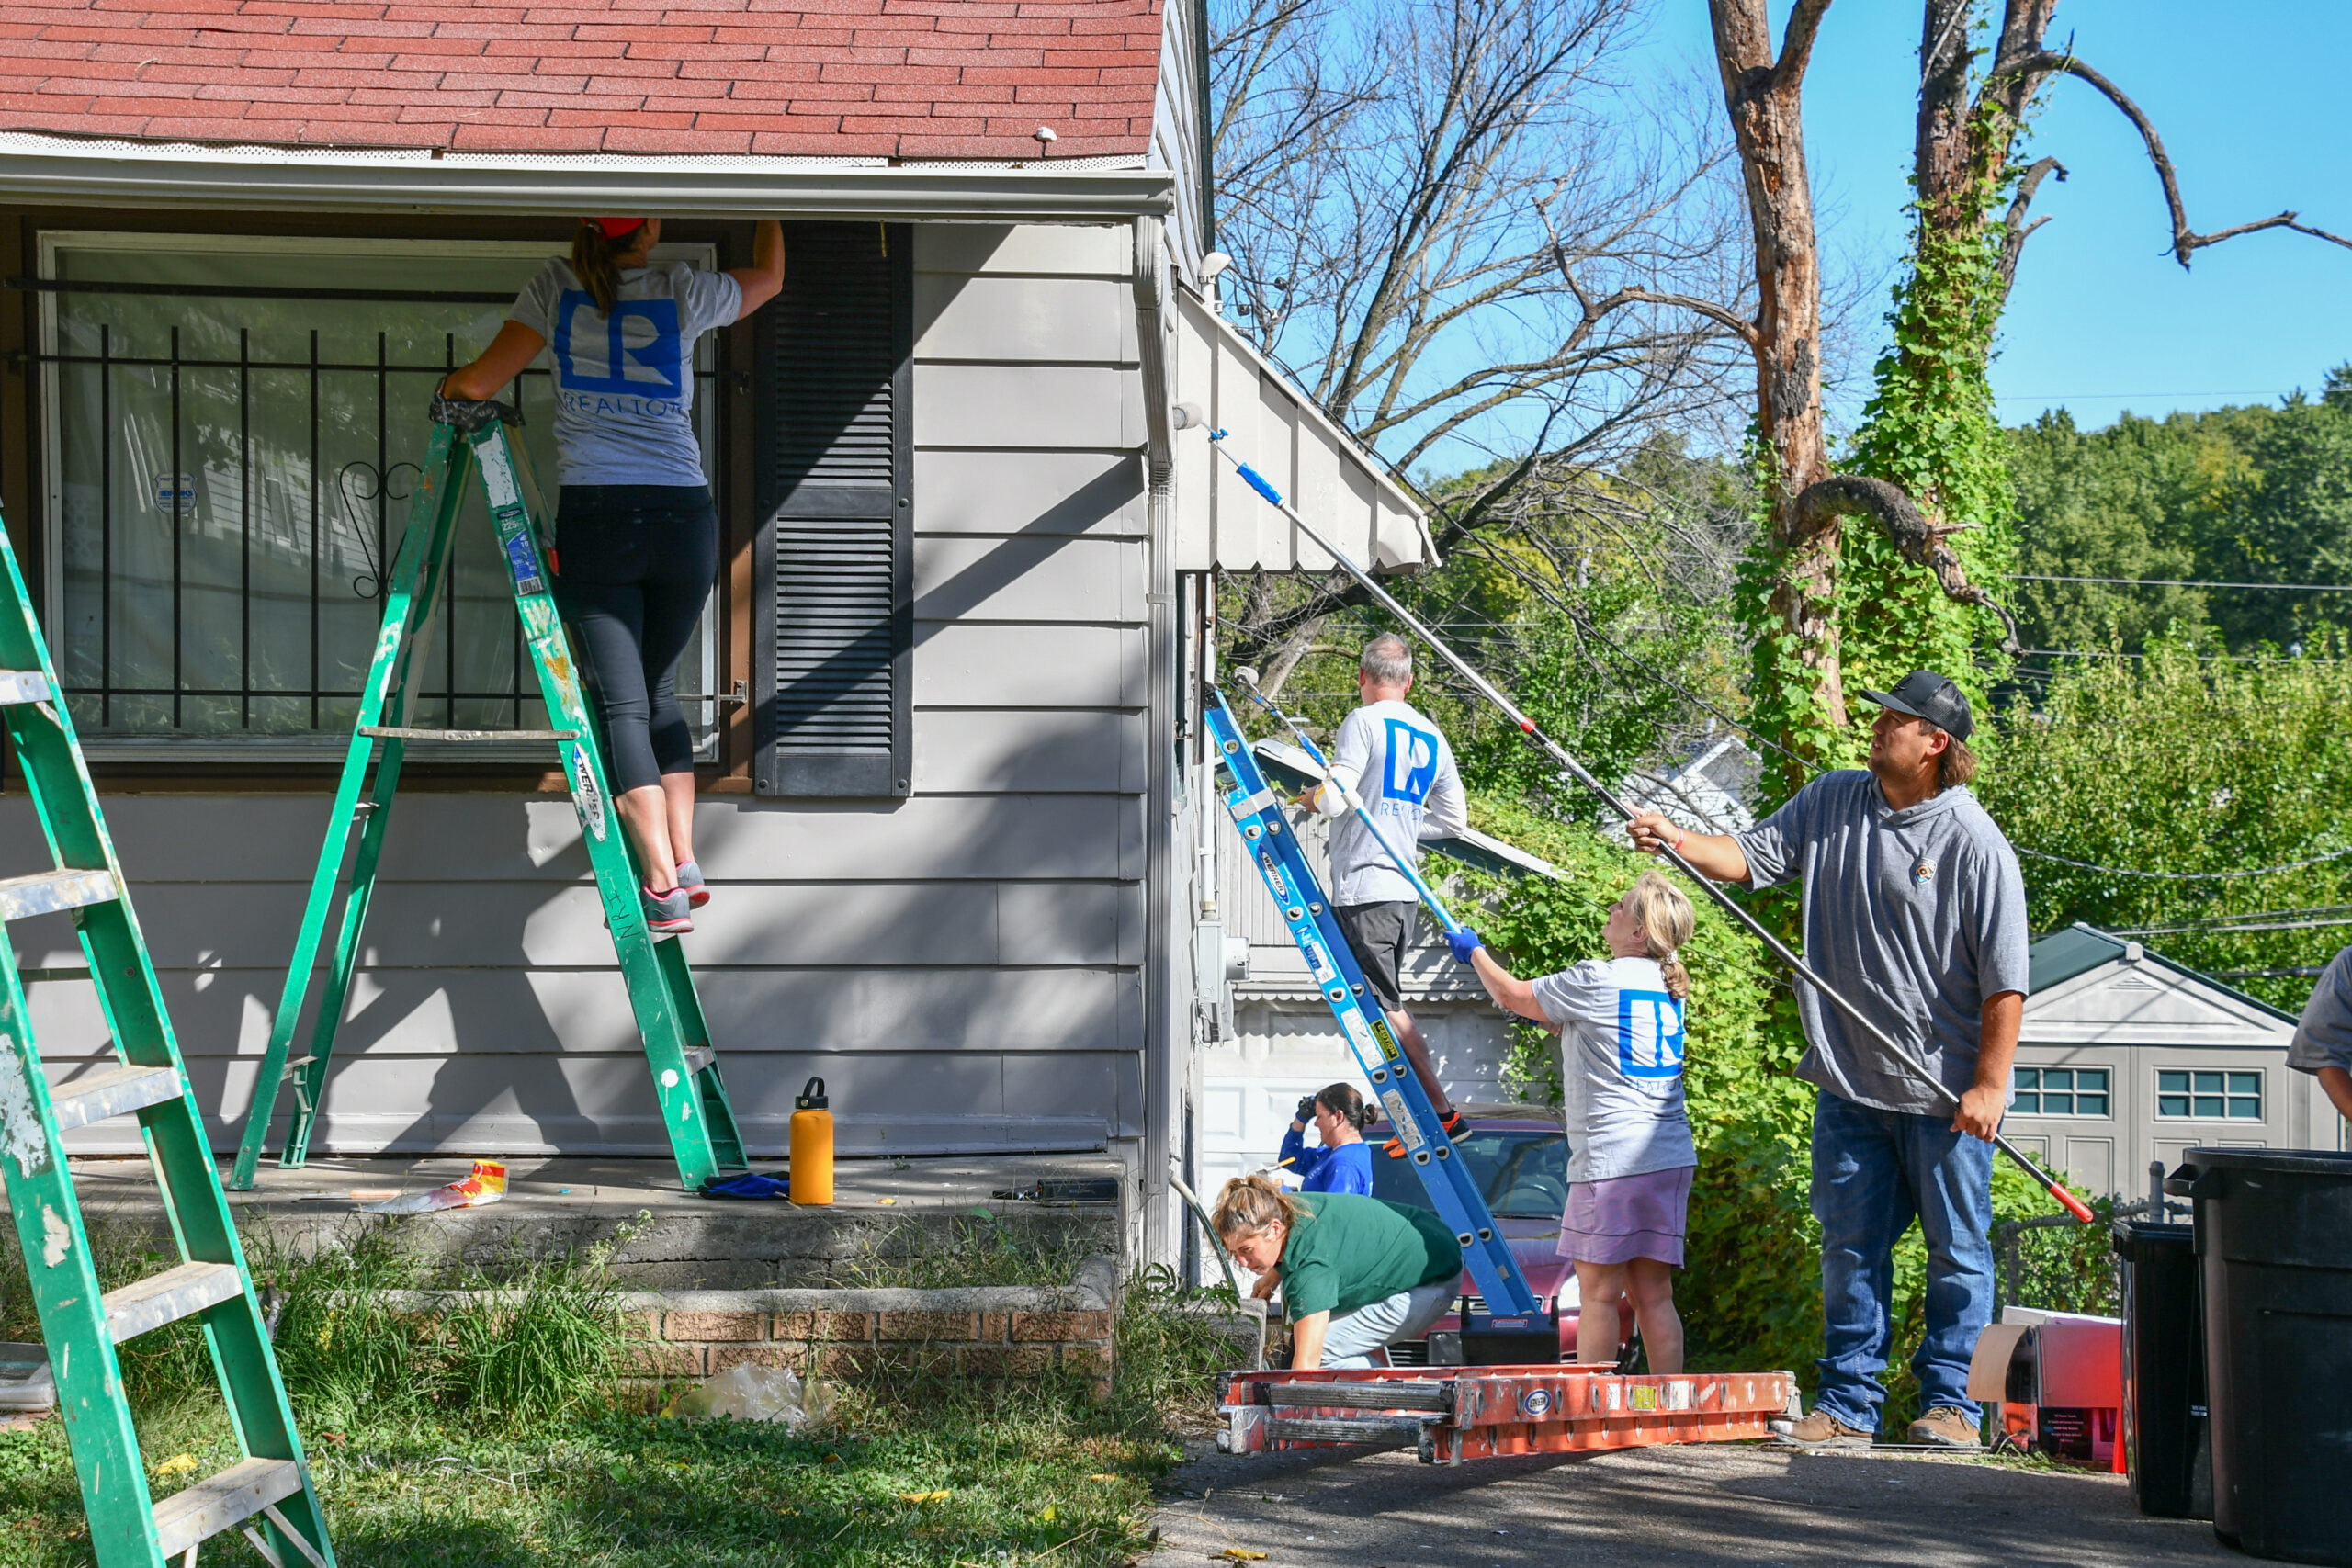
{"x": 2060, "y": 1091}
{"x": 2209, "y": 1094}
{"x": 233, "y": 428}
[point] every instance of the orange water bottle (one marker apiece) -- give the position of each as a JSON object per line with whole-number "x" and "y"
{"x": 813, "y": 1147}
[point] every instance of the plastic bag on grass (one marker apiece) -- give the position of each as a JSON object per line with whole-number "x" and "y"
{"x": 751, "y": 1392}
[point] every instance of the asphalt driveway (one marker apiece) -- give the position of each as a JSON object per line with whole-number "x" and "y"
{"x": 1747, "y": 1504}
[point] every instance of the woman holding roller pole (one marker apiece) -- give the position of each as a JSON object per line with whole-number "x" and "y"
{"x": 1630, "y": 1154}
{"x": 637, "y": 534}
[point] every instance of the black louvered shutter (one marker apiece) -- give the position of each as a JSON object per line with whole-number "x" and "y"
{"x": 834, "y": 620}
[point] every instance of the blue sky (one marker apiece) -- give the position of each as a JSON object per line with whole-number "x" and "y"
{"x": 2249, "y": 99}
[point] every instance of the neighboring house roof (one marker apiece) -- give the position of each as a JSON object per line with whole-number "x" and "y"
{"x": 911, "y": 79}
{"x": 2091, "y": 988}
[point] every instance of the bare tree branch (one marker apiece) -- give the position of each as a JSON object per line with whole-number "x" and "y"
{"x": 2186, "y": 241}
{"x": 1919, "y": 540}
{"x": 1796, "y": 42}
{"x": 2014, "y": 229}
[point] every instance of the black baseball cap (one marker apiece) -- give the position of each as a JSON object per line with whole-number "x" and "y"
{"x": 1923, "y": 694}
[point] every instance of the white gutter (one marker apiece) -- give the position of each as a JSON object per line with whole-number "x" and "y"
{"x": 61, "y": 170}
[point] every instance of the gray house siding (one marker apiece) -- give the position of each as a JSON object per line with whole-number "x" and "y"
{"x": 965, "y": 967}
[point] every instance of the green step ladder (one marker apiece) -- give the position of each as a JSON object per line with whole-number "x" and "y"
{"x": 471, "y": 438}
{"x": 268, "y": 1493}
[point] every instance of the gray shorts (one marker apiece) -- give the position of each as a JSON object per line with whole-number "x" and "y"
{"x": 1380, "y": 933}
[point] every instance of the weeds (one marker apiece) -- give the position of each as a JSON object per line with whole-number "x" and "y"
{"x": 977, "y": 1249}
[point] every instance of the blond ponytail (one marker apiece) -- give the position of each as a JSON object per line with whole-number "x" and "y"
{"x": 1249, "y": 1205}
{"x": 1667, "y": 921}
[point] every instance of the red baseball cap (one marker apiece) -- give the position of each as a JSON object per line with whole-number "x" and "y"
{"x": 614, "y": 228}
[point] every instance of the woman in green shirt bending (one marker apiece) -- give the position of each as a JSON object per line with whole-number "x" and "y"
{"x": 1357, "y": 1274}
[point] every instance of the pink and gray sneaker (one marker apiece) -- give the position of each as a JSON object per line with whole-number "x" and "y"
{"x": 691, "y": 884}
{"x": 667, "y": 914}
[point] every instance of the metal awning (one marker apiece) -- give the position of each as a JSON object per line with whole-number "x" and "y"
{"x": 1220, "y": 521}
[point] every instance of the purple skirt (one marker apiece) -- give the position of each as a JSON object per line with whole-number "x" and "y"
{"x": 1627, "y": 1217}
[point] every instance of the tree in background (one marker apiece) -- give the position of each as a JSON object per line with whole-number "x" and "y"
{"x": 1930, "y": 457}
{"x": 2205, "y": 771}
{"x": 1463, "y": 223}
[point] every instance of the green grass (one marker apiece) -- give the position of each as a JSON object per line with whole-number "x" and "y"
{"x": 497, "y": 1436}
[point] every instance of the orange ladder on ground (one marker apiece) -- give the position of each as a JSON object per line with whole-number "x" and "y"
{"x": 1452, "y": 1413}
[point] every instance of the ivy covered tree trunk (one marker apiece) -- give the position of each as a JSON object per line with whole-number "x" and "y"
{"x": 1929, "y": 427}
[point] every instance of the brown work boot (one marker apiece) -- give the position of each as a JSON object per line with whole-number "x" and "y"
{"x": 1946, "y": 1426}
{"x": 1821, "y": 1430}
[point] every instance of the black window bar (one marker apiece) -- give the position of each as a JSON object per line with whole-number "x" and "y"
{"x": 520, "y": 687}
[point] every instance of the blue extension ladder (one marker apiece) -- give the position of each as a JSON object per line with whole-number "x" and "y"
{"x": 1257, "y": 811}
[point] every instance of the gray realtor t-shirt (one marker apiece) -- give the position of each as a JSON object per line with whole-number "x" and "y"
{"x": 1621, "y": 1068}
{"x": 625, "y": 383}
{"x": 2324, "y": 1039}
{"x": 1405, "y": 776}
{"x": 1916, "y": 916}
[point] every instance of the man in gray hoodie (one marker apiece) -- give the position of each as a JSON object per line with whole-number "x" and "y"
{"x": 1915, "y": 912}
{"x": 2322, "y": 1043}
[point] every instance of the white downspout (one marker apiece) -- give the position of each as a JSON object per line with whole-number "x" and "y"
{"x": 1164, "y": 1074}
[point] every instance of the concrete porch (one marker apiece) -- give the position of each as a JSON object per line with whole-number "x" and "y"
{"x": 552, "y": 1205}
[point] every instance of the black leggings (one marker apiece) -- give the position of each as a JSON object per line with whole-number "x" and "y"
{"x": 635, "y": 564}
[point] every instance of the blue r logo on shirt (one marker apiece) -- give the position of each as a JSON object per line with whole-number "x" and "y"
{"x": 1649, "y": 1034}
{"x": 664, "y": 356}
{"x": 1413, "y": 762}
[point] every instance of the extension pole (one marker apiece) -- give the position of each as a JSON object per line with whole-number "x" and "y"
{"x": 1249, "y": 679}
{"x": 1577, "y": 770}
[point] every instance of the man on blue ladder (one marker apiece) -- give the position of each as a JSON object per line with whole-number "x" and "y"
{"x": 1399, "y": 765}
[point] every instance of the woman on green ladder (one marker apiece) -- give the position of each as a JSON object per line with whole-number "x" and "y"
{"x": 638, "y": 536}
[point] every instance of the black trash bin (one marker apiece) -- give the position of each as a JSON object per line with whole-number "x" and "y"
{"x": 2274, "y": 1248}
{"x": 2164, "y": 1371}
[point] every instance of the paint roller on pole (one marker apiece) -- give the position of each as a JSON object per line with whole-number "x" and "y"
{"x": 1189, "y": 417}
{"x": 1332, "y": 779}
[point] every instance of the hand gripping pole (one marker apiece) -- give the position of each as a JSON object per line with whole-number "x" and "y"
{"x": 1894, "y": 1051}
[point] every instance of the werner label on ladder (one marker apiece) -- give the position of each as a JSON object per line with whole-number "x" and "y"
{"x": 695, "y": 1113}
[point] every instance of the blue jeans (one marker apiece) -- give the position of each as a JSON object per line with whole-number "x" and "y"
{"x": 1873, "y": 1171}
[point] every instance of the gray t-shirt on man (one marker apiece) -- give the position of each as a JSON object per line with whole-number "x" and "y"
{"x": 2324, "y": 1039}
{"x": 1404, "y": 773}
{"x": 1916, "y": 916}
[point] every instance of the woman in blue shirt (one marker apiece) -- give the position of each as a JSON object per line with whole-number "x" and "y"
{"x": 1343, "y": 1164}
{"x": 636, "y": 535}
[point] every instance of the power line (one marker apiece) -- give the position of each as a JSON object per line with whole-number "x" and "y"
{"x": 2190, "y": 582}
{"x": 2186, "y": 875}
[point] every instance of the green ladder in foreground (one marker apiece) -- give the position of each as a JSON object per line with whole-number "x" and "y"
{"x": 695, "y": 1110}
{"x": 268, "y": 1493}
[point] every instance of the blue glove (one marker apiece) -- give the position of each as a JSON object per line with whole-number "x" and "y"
{"x": 1464, "y": 943}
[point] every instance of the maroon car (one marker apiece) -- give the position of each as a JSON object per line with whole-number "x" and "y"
{"x": 1520, "y": 1155}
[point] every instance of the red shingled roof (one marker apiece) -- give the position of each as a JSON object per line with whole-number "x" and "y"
{"x": 896, "y": 78}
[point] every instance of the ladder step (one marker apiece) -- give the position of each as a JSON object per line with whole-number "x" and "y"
{"x": 147, "y": 1304}
{"x": 698, "y": 1057}
{"x": 20, "y": 686}
{"x": 48, "y": 892}
{"x": 1375, "y": 1395}
{"x": 1394, "y": 1430}
{"x": 118, "y": 1091}
{"x": 223, "y": 1501}
{"x": 298, "y": 1064}
{"x": 402, "y": 732}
